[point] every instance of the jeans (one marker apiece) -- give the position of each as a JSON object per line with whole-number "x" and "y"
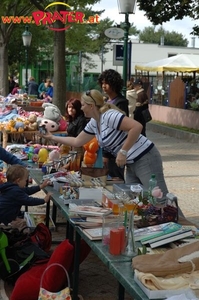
{"x": 140, "y": 171}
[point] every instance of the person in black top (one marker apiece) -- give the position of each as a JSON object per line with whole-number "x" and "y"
{"x": 141, "y": 104}
{"x": 76, "y": 120}
{"x": 111, "y": 83}
{"x": 11, "y": 84}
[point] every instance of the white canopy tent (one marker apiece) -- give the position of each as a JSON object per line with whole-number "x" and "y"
{"x": 177, "y": 63}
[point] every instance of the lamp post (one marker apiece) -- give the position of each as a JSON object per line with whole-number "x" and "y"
{"x": 26, "y": 37}
{"x": 39, "y": 64}
{"x": 126, "y": 7}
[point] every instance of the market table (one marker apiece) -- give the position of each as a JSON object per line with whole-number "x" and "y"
{"x": 26, "y": 133}
{"x": 98, "y": 248}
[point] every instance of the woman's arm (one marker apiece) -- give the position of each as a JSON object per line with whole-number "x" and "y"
{"x": 134, "y": 129}
{"x": 78, "y": 141}
{"x": 10, "y": 158}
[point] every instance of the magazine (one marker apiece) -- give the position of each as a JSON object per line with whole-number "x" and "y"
{"x": 81, "y": 221}
{"x": 147, "y": 233}
{"x": 93, "y": 233}
{"x": 88, "y": 210}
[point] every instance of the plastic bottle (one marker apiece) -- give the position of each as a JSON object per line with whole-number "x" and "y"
{"x": 152, "y": 185}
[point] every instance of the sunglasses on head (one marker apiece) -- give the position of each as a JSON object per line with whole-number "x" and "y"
{"x": 88, "y": 93}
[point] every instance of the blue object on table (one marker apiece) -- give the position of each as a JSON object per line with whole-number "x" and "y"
{"x": 99, "y": 161}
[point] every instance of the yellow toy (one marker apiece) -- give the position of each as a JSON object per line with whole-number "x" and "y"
{"x": 42, "y": 155}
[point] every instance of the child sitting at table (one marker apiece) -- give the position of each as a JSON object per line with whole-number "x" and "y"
{"x": 14, "y": 194}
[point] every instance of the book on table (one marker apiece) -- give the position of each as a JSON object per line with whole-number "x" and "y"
{"x": 93, "y": 221}
{"x": 147, "y": 233}
{"x": 93, "y": 233}
{"x": 178, "y": 236}
{"x": 81, "y": 221}
{"x": 167, "y": 234}
{"x": 89, "y": 210}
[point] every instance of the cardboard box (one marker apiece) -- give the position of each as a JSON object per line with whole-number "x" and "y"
{"x": 91, "y": 193}
{"x": 32, "y": 219}
{"x": 160, "y": 294}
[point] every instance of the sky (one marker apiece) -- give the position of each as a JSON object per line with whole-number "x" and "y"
{"x": 140, "y": 21}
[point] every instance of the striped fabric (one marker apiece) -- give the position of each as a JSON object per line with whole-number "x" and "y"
{"x": 112, "y": 139}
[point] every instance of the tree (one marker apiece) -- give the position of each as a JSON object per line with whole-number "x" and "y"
{"x": 9, "y": 8}
{"x": 151, "y": 35}
{"x": 160, "y": 11}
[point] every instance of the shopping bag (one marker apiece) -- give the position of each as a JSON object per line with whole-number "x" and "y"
{"x": 64, "y": 294}
{"x": 146, "y": 115}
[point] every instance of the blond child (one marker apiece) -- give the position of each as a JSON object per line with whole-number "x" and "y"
{"x": 14, "y": 194}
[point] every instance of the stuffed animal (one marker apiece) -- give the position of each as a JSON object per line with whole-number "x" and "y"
{"x": 50, "y": 125}
{"x": 62, "y": 124}
{"x": 54, "y": 155}
{"x": 31, "y": 123}
{"x": 51, "y": 112}
{"x": 51, "y": 117}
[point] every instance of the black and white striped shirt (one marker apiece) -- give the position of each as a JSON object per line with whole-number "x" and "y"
{"x": 111, "y": 139}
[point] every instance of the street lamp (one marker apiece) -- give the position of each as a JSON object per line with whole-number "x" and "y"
{"x": 39, "y": 64}
{"x": 26, "y": 37}
{"x": 126, "y": 7}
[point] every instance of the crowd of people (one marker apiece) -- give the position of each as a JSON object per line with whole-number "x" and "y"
{"x": 44, "y": 90}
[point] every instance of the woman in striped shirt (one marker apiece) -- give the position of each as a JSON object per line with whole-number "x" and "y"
{"x": 120, "y": 136}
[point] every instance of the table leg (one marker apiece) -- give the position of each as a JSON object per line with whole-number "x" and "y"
{"x": 54, "y": 213}
{"x": 47, "y": 213}
{"x": 5, "y": 139}
{"x": 121, "y": 291}
{"x": 76, "y": 266}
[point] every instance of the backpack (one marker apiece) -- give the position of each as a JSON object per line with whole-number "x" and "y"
{"x": 20, "y": 250}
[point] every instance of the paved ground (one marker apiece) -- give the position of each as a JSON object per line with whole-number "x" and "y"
{"x": 181, "y": 169}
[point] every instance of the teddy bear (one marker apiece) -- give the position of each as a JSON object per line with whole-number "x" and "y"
{"x": 31, "y": 122}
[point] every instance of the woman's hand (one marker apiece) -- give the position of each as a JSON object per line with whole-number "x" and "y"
{"x": 47, "y": 135}
{"x": 120, "y": 160}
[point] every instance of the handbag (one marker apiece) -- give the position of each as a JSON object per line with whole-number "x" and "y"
{"x": 146, "y": 115}
{"x": 60, "y": 295}
{"x": 93, "y": 177}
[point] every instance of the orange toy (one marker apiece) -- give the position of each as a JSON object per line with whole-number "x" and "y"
{"x": 90, "y": 154}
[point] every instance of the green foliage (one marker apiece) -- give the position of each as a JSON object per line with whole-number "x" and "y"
{"x": 160, "y": 11}
{"x": 183, "y": 128}
{"x": 151, "y": 35}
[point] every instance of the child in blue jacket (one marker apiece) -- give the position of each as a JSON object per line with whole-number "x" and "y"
{"x": 14, "y": 194}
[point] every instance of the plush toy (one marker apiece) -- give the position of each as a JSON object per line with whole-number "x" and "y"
{"x": 62, "y": 124}
{"x": 31, "y": 123}
{"x": 54, "y": 155}
{"x": 42, "y": 155}
{"x": 90, "y": 155}
{"x": 50, "y": 125}
{"x": 51, "y": 117}
{"x": 64, "y": 149}
{"x": 51, "y": 112}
